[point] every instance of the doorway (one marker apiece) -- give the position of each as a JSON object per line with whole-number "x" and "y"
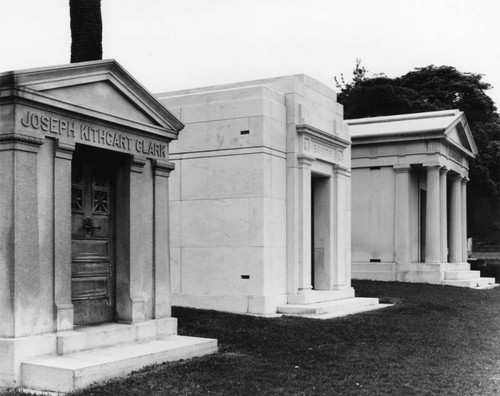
{"x": 422, "y": 221}
{"x": 320, "y": 231}
{"x": 93, "y": 268}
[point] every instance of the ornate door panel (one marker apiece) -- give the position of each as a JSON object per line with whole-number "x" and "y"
{"x": 92, "y": 244}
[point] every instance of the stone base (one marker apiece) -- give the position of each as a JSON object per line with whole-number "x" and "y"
{"x": 256, "y": 305}
{"x": 332, "y": 309}
{"x": 451, "y": 274}
{"x": 316, "y": 296}
{"x": 78, "y": 370}
{"x": 68, "y": 360}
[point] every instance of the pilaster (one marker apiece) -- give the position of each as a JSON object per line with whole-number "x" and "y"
{"x": 402, "y": 214}
{"x": 304, "y": 264}
{"x": 64, "y": 311}
{"x": 161, "y": 259}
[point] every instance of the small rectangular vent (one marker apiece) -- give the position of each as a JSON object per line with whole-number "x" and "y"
{"x": 375, "y": 260}
{"x": 245, "y": 276}
{"x": 374, "y": 167}
{"x": 246, "y": 132}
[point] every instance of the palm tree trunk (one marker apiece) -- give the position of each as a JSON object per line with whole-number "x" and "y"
{"x": 86, "y": 30}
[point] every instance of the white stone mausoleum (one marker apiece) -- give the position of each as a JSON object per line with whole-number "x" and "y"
{"x": 409, "y": 211}
{"x": 260, "y": 199}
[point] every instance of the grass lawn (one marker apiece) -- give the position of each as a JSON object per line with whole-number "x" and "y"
{"x": 434, "y": 340}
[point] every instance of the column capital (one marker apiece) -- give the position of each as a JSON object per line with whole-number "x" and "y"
{"x": 137, "y": 164}
{"x": 64, "y": 150}
{"x": 465, "y": 180}
{"x": 444, "y": 170}
{"x": 163, "y": 168}
{"x": 455, "y": 176}
{"x": 432, "y": 165}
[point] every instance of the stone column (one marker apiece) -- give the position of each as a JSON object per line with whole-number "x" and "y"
{"x": 161, "y": 260}
{"x": 402, "y": 214}
{"x": 456, "y": 220}
{"x": 444, "y": 215}
{"x": 64, "y": 311}
{"x": 433, "y": 220}
{"x": 464, "y": 218}
{"x": 304, "y": 237}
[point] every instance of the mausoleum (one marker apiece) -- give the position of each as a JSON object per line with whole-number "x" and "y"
{"x": 84, "y": 228}
{"x": 409, "y": 189}
{"x": 260, "y": 200}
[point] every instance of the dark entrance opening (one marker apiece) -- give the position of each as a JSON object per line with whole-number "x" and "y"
{"x": 423, "y": 214}
{"x": 93, "y": 217}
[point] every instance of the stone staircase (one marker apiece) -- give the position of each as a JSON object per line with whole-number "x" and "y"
{"x": 94, "y": 354}
{"x": 461, "y": 275}
{"x": 328, "y": 304}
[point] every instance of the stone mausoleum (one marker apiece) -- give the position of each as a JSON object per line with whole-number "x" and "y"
{"x": 261, "y": 199}
{"x": 409, "y": 189}
{"x": 84, "y": 228}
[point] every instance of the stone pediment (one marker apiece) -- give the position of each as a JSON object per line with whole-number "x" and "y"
{"x": 100, "y": 89}
{"x": 448, "y": 125}
{"x": 460, "y": 135}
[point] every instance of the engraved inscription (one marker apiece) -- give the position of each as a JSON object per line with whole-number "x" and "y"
{"x": 322, "y": 151}
{"x": 82, "y": 132}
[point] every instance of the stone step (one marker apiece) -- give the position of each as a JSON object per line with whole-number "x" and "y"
{"x": 457, "y": 266}
{"x": 472, "y": 283}
{"x": 457, "y": 275}
{"x": 374, "y": 275}
{"x": 109, "y": 334}
{"x": 346, "y": 306}
{"x": 344, "y": 312}
{"x": 78, "y": 370}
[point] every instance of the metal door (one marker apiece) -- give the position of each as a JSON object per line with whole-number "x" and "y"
{"x": 92, "y": 232}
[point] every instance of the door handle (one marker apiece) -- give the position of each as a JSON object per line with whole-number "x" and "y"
{"x": 88, "y": 226}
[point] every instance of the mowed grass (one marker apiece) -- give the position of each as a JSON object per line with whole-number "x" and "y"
{"x": 434, "y": 340}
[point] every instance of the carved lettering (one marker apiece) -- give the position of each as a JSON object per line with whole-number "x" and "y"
{"x": 91, "y": 134}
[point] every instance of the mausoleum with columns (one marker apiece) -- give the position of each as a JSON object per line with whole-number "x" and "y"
{"x": 409, "y": 200}
{"x": 260, "y": 200}
{"x": 84, "y": 229}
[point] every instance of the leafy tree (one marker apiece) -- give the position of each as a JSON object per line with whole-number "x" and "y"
{"x": 433, "y": 88}
{"x": 86, "y": 30}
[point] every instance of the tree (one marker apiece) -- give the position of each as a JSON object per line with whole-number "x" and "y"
{"x": 86, "y": 30}
{"x": 440, "y": 88}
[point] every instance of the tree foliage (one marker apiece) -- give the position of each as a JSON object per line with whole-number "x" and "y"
{"x": 434, "y": 88}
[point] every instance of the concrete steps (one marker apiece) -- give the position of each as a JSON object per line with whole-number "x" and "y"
{"x": 109, "y": 334}
{"x": 94, "y": 354}
{"x": 473, "y": 282}
{"x": 332, "y": 309}
{"x": 459, "y": 275}
{"x": 68, "y": 372}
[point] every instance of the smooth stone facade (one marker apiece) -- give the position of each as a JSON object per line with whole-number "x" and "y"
{"x": 261, "y": 166}
{"x": 84, "y": 230}
{"x": 409, "y": 198}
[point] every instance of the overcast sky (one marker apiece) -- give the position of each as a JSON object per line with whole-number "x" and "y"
{"x": 168, "y": 45}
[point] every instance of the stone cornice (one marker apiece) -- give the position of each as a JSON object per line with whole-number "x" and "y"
{"x": 322, "y": 137}
{"x": 18, "y": 138}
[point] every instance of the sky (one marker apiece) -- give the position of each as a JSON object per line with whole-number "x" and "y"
{"x": 169, "y": 45}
